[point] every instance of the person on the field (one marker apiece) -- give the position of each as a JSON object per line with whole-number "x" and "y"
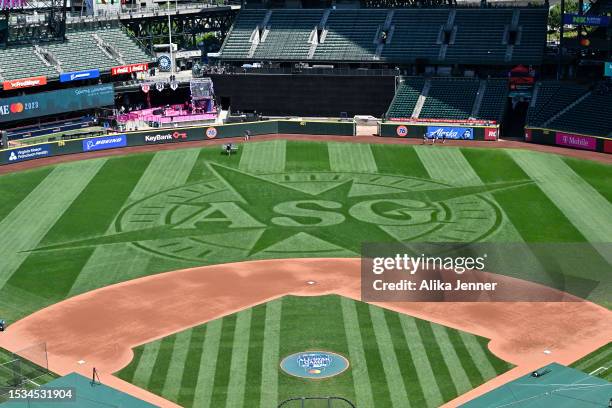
{"x": 2, "y": 325}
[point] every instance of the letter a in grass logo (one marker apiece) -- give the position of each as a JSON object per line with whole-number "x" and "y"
{"x": 239, "y": 215}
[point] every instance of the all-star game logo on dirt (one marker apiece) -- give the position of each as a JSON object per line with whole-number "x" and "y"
{"x": 240, "y": 215}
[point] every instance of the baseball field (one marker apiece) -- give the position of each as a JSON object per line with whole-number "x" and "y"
{"x": 75, "y": 227}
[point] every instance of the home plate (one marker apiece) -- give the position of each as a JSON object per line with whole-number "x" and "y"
{"x": 81, "y": 362}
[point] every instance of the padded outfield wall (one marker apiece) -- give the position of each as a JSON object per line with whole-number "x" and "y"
{"x": 463, "y": 131}
{"x": 305, "y": 95}
{"x": 174, "y": 135}
{"x": 570, "y": 140}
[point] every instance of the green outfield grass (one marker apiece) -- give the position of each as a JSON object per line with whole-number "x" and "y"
{"x": 79, "y": 226}
{"x": 598, "y": 363}
{"x": 108, "y": 220}
{"x": 396, "y": 360}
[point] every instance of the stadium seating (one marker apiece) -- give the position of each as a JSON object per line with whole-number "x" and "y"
{"x": 494, "y": 100}
{"x": 406, "y": 97}
{"x": 550, "y": 98}
{"x": 237, "y": 43}
{"x": 87, "y": 48}
{"x": 450, "y": 98}
{"x": 289, "y": 31}
{"x": 452, "y": 35}
{"x": 415, "y": 32}
{"x": 588, "y": 116}
{"x": 350, "y": 35}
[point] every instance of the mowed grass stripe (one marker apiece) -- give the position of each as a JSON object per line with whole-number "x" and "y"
{"x": 98, "y": 203}
{"x": 580, "y": 203}
{"x": 270, "y": 354}
{"x": 478, "y": 356}
{"x": 112, "y": 263}
{"x": 351, "y": 157}
{"x": 192, "y": 366}
{"x": 447, "y": 164}
{"x": 254, "y": 361}
{"x": 439, "y": 367}
{"x": 601, "y": 357}
{"x": 326, "y": 332}
{"x": 162, "y": 362}
{"x": 462, "y": 380}
{"x": 598, "y": 175}
{"x": 224, "y": 361}
{"x": 240, "y": 353}
{"x": 15, "y": 187}
{"x": 144, "y": 369}
{"x": 306, "y": 156}
{"x": 127, "y": 374}
{"x": 263, "y": 157}
{"x": 570, "y": 193}
{"x": 472, "y": 373}
{"x": 359, "y": 367}
{"x": 208, "y": 363}
{"x": 24, "y": 227}
{"x": 174, "y": 376}
{"x": 393, "y": 375}
{"x": 380, "y": 390}
{"x": 532, "y": 213}
{"x": 498, "y": 364}
{"x": 398, "y": 159}
{"x": 420, "y": 358}
{"x": 404, "y": 358}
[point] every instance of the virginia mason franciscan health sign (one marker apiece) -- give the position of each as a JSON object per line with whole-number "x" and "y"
{"x": 314, "y": 364}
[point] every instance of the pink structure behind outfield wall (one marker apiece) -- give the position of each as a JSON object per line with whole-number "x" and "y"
{"x": 10, "y": 4}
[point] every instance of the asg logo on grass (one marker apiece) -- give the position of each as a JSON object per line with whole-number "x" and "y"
{"x": 239, "y": 215}
{"x": 314, "y": 364}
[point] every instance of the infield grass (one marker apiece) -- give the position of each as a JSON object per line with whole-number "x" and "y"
{"x": 395, "y": 359}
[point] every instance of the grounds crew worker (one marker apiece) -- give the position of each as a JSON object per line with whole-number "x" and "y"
{"x": 2, "y": 325}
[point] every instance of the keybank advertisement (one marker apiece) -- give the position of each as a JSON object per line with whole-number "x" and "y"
{"x": 53, "y": 102}
{"x": 27, "y": 153}
{"x": 103, "y": 143}
{"x": 443, "y": 132}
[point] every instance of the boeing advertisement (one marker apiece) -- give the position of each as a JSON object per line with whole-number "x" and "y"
{"x": 79, "y": 75}
{"x": 54, "y": 102}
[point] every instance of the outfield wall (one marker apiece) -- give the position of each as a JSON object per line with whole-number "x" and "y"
{"x": 175, "y": 135}
{"x": 569, "y": 140}
{"x": 459, "y": 130}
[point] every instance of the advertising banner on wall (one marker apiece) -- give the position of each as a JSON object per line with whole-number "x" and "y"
{"x": 168, "y": 136}
{"x": 575, "y": 19}
{"x": 444, "y": 132}
{"x": 24, "y": 83}
{"x": 575, "y": 141}
{"x": 103, "y": 143}
{"x": 608, "y": 68}
{"x": 128, "y": 69}
{"x": 79, "y": 75}
{"x": 491, "y": 133}
{"x": 27, "y": 153}
{"x": 53, "y": 102}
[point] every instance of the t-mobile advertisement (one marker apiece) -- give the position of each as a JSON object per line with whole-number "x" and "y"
{"x": 576, "y": 141}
